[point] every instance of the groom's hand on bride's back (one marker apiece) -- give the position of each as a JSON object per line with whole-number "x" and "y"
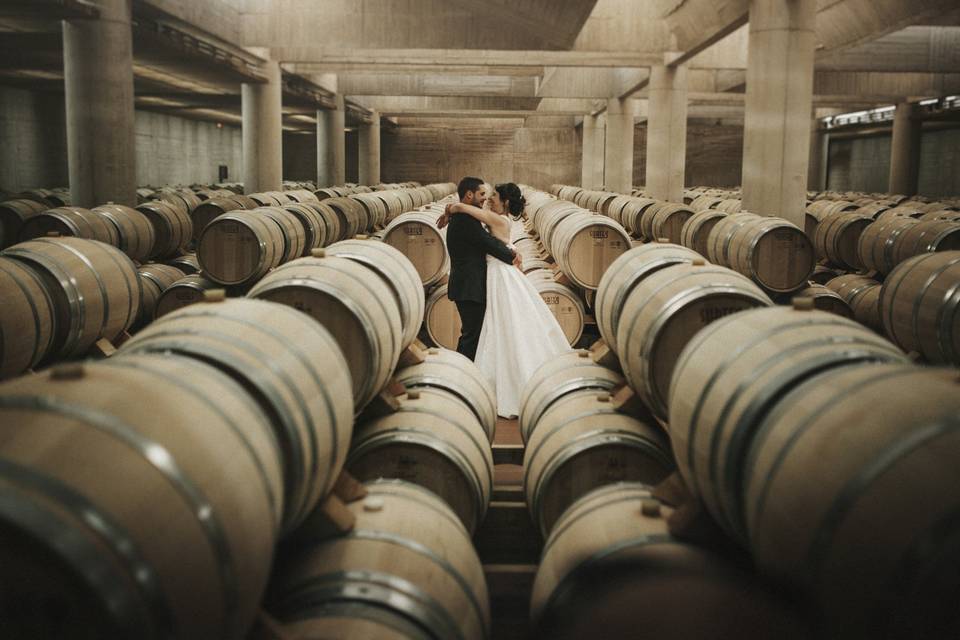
{"x": 517, "y": 261}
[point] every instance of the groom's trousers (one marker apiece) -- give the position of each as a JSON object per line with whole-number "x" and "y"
{"x": 471, "y": 318}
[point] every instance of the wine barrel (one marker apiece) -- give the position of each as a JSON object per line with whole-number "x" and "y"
{"x": 952, "y": 215}
{"x": 183, "y": 201}
{"x": 580, "y": 442}
{"x": 407, "y": 569}
{"x": 416, "y": 236}
{"x": 772, "y": 252}
{"x": 300, "y": 195}
{"x": 434, "y": 440}
{"x": 396, "y": 271}
{"x": 315, "y": 227}
{"x": 376, "y": 209}
{"x": 154, "y": 279}
{"x": 632, "y": 215}
{"x": 729, "y": 205}
{"x": 585, "y": 245}
{"x": 565, "y": 305}
{"x": 920, "y": 306}
{"x": 926, "y": 237}
{"x": 695, "y": 233}
{"x": 646, "y": 218}
{"x": 84, "y": 445}
{"x": 730, "y": 375}
{"x": 292, "y": 368}
{"x": 450, "y": 371}
{"x": 441, "y": 320}
{"x": 94, "y": 288}
{"x": 625, "y": 273}
{"x": 269, "y": 199}
{"x": 294, "y": 235}
{"x": 13, "y": 214}
{"x": 354, "y": 304}
{"x": 184, "y": 292}
{"x": 637, "y": 574}
{"x": 26, "y": 318}
{"x": 825, "y": 299}
{"x": 549, "y": 217}
{"x": 187, "y": 263}
{"x": 135, "y": 234}
{"x": 822, "y": 274}
{"x": 560, "y": 376}
{"x": 881, "y": 441}
{"x": 70, "y": 221}
{"x": 877, "y": 241}
{"x": 665, "y": 312}
{"x": 862, "y": 295}
{"x": 172, "y": 228}
{"x": 668, "y": 222}
{"x": 352, "y": 216}
{"x": 240, "y": 247}
{"x": 837, "y": 239}
{"x": 211, "y": 209}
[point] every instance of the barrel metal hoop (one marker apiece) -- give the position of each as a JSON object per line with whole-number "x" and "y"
{"x": 428, "y": 553}
{"x": 35, "y": 312}
{"x": 574, "y": 514}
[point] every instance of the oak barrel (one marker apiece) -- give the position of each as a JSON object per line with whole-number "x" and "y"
{"x": 172, "y": 228}
{"x": 240, "y": 247}
{"x": 665, "y": 311}
{"x": 407, "y": 570}
{"x": 93, "y": 285}
{"x": 434, "y": 440}
{"x": 732, "y": 373}
{"x": 162, "y": 474}
{"x": 135, "y": 234}
{"x": 625, "y": 273}
{"x": 13, "y": 213}
{"x": 184, "y": 292}
{"x": 825, "y": 299}
{"x": 925, "y": 237}
{"x": 290, "y": 365}
{"x": 441, "y": 320}
{"x": 838, "y": 236}
{"x": 26, "y": 318}
{"x": 920, "y": 306}
{"x": 611, "y": 568}
{"x": 581, "y": 442}
{"x": 354, "y": 304}
{"x": 416, "y": 236}
{"x": 70, "y": 221}
{"x": 396, "y": 271}
{"x": 873, "y": 539}
{"x": 863, "y": 297}
{"x": 585, "y": 245}
{"x": 668, "y": 222}
{"x": 559, "y": 376}
{"x": 695, "y": 233}
{"x": 772, "y": 252}
{"x": 211, "y": 209}
{"x": 154, "y": 279}
{"x": 294, "y": 235}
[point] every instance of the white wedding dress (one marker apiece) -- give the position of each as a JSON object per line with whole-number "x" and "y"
{"x": 519, "y": 333}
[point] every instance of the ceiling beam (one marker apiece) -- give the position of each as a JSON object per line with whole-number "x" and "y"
{"x": 388, "y": 58}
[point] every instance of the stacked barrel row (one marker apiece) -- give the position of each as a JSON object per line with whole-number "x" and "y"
{"x": 771, "y": 251}
{"x": 589, "y": 467}
{"x": 146, "y": 492}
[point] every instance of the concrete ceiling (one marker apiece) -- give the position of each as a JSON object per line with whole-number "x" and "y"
{"x": 494, "y": 58}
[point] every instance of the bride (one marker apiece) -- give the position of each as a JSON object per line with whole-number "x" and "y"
{"x": 519, "y": 333}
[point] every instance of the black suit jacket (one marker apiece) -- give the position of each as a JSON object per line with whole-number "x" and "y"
{"x": 469, "y": 243}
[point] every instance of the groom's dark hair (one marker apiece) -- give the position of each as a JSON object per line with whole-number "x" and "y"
{"x": 468, "y": 184}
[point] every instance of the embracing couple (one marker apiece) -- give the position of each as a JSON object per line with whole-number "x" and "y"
{"x": 507, "y": 329}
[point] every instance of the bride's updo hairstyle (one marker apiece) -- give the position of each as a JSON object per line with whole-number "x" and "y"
{"x": 510, "y": 193}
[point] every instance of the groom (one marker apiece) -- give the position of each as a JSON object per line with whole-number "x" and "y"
{"x": 468, "y": 244}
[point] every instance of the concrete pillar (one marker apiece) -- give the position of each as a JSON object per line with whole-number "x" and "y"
{"x": 904, "y": 151}
{"x": 369, "y": 153}
{"x": 778, "y": 106}
{"x": 263, "y": 132}
{"x": 591, "y": 171}
{"x": 331, "y": 145}
{"x": 667, "y": 132}
{"x": 618, "y": 151}
{"x": 98, "y": 83}
{"x": 819, "y": 154}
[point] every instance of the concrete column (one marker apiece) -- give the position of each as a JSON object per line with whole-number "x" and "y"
{"x": 331, "y": 145}
{"x": 904, "y": 151}
{"x": 591, "y": 172}
{"x": 263, "y": 132}
{"x": 618, "y": 151}
{"x": 667, "y": 132}
{"x": 819, "y": 154}
{"x": 778, "y": 106}
{"x": 369, "y": 153}
{"x": 98, "y": 83}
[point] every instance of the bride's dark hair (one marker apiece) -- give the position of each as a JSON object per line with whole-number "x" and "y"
{"x": 510, "y": 193}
